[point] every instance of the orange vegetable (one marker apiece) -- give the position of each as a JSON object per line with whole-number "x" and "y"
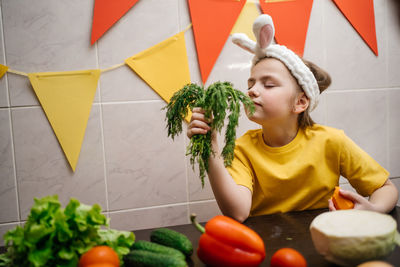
{"x": 288, "y": 257}
{"x": 226, "y": 242}
{"x": 99, "y": 256}
{"x": 340, "y": 202}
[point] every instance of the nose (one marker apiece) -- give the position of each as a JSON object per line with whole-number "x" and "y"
{"x": 253, "y": 92}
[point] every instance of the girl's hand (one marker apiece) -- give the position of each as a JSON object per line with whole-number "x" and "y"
{"x": 360, "y": 203}
{"x": 198, "y": 123}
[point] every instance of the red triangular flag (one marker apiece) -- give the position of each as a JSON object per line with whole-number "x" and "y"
{"x": 106, "y": 13}
{"x": 360, "y": 13}
{"x": 212, "y": 21}
{"x": 290, "y": 20}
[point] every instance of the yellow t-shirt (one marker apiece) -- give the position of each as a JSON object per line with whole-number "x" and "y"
{"x": 302, "y": 174}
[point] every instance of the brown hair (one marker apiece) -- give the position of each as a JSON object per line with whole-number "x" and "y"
{"x": 323, "y": 80}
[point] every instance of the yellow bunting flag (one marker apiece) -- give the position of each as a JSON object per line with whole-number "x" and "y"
{"x": 66, "y": 98}
{"x": 164, "y": 67}
{"x": 3, "y": 70}
{"x": 244, "y": 23}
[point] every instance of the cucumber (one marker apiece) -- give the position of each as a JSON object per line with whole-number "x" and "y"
{"x": 157, "y": 248}
{"x": 174, "y": 239}
{"x": 143, "y": 258}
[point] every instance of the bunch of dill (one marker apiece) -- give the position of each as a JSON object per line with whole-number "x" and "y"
{"x": 219, "y": 100}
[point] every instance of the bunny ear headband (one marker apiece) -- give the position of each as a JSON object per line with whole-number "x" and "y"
{"x": 264, "y": 30}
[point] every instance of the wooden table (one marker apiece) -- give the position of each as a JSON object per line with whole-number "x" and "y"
{"x": 278, "y": 231}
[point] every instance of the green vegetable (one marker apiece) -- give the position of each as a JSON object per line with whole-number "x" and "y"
{"x": 219, "y": 99}
{"x": 53, "y": 236}
{"x": 143, "y": 258}
{"x": 157, "y": 248}
{"x": 173, "y": 239}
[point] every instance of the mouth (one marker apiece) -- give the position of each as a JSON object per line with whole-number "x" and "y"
{"x": 257, "y": 104}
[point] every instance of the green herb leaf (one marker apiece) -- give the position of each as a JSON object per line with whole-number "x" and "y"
{"x": 217, "y": 101}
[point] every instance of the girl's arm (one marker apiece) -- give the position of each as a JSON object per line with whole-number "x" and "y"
{"x": 383, "y": 199}
{"x": 233, "y": 200}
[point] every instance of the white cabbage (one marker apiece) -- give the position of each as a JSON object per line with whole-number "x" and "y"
{"x": 350, "y": 237}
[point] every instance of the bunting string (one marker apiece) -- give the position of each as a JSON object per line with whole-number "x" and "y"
{"x": 112, "y": 67}
{"x": 18, "y": 72}
{"x": 102, "y": 70}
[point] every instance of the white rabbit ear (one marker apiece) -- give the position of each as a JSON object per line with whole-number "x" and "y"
{"x": 264, "y": 30}
{"x": 244, "y": 42}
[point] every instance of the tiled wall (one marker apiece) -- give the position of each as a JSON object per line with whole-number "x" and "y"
{"x": 127, "y": 164}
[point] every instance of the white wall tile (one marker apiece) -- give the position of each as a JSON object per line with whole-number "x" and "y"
{"x": 394, "y": 132}
{"x": 393, "y": 42}
{"x": 145, "y": 25}
{"x": 205, "y": 210}
{"x": 42, "y": 168}
{"x": 314, "y": 48}
{"x": 196, "y": 191}
{"x": 8, "y": 193}
{"x": 319, "y": 113}
{"x": 362, "y": 115}
{"x": 45, "y": 36}
{"x": 144, "y": 166}
{"x": 132, "y": 220}
{"x": 350, "y": 61}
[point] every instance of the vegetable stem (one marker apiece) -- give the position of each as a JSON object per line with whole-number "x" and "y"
{"x": 196, "y": 224}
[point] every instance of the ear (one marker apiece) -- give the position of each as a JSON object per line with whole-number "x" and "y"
{"x": 244, "y": 42}
{"x": 264, "y": 30}
{"x": 266, "y": 35}
{"x": 301, "y": 103}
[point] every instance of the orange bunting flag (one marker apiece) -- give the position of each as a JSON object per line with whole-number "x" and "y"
{"x": 106, "y": 13}
{"x": 164, "y": 67}
{"x": 212, "y": 22}
{"x": 360, "y": 14}
{"x": 66, "y": 98}
{"x": 3, "y": 70}
{"x": 290, "y": 20}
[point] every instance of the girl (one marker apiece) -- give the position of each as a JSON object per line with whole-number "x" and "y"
{"x": 291, "y": 163}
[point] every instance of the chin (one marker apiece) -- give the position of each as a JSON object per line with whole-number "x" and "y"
{"x": 254, "y": 118}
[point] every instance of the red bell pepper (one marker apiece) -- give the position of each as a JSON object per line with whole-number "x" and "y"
{"x": 226, "y": 242}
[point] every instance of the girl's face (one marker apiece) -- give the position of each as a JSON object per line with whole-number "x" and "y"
{"x": 273, "y": 90}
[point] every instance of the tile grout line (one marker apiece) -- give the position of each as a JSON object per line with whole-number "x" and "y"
{"x": 388, "y": 133}
{"x": 184, "y": 142}
{"x": 387, "y": 82}
{"x": 94, "y": 103}
{"x": 102, "y": 136}
{"x": 10, "y": 118}
{"x": 162, "y": 206}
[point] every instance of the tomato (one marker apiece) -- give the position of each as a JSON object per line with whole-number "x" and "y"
{"x": 288, "y": 257}
{"x": 100, "y": 256}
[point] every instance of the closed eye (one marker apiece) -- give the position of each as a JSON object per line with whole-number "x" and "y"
{"x": 269, "y": 85}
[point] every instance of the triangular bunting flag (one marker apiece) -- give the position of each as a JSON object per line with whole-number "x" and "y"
{"x": 212, "y": 22}
{"x": 66, "y": 98}
{"x": 360, "y": 13}
{"x": 244, "y": 23}
{"x": 3, "y": 70}
{"x": 164, "y": 67}
{"x": 290, "y": 20}
{"x": 106, "y": 13}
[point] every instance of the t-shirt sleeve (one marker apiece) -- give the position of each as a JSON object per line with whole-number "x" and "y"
{"x": 362, "y": 171}
{"x": 240, "y": 170}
